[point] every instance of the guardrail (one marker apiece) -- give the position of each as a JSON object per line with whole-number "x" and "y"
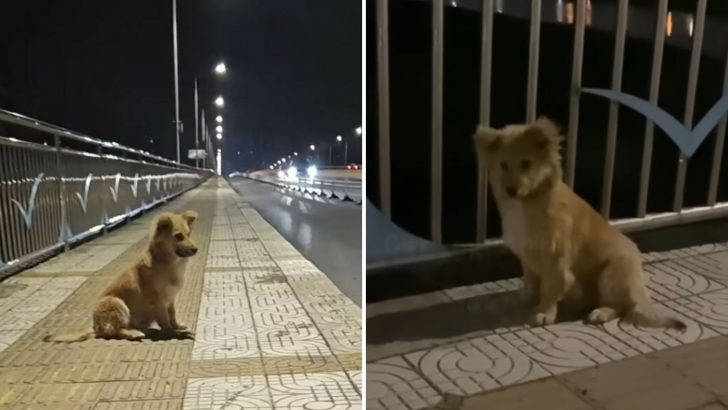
{"x": 52, "y": 196}
{"x": 679, "y": 213}
{"x": 347, "y": 190}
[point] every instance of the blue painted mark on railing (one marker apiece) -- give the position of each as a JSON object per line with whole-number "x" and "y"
{"x": 687, "y": 140}
{"x": 28, "y": 213}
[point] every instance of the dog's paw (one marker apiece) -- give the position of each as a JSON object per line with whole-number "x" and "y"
{"x": 134, "y": 335}
{"x": 185, "y": 334}
{"x": 601, "y": 315}
{"x": 542, "y": 319}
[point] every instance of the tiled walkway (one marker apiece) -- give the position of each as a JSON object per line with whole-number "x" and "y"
{"x": 271, "y": 330}
{"x": 450, "y": 349}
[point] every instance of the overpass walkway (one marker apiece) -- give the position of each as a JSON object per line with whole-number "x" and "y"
{"x": 272, "y": 331}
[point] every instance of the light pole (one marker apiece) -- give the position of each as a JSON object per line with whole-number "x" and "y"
{"x": 176, "y": 75}
{"x": 220, "y": 69}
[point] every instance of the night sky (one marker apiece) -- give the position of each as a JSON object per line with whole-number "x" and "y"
{"x": 106, "y": 69}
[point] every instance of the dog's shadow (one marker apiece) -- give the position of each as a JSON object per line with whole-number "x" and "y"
{"x": 475, "y": 314}
{"x": 157, "y": 335}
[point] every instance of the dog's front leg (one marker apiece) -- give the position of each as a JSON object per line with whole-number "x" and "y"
{"x": 165, "y": 323}
{"x": 173, "y": 318}
{"x": 553, "y": 287}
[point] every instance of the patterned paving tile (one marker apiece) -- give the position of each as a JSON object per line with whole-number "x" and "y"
{"x": 684, "y": 283}
{"x": 475, "y": 365}
{"x": 673, "y": 279}
{"x": 394, "y": 384}
{"x": 33, "y": 300}
{"x": 709, "y": 309}
{"x": 314, "y": 391}
{"x": 88, "y": 258}
{"x": 242, "y": 392}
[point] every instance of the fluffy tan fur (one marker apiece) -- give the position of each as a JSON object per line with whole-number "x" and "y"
{"x": 145, "y": 293}
{"x": 568, "y": 252}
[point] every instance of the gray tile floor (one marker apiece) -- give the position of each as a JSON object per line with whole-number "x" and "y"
{"x": 466, "y": 341}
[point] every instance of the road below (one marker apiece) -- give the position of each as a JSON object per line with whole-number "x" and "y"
{"x": 328, "y": 233}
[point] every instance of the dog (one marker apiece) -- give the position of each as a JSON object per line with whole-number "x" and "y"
{"x": 568, "y": 252}
{"x": 146, "y": 292}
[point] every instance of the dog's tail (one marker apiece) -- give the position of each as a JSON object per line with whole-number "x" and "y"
{"x": 644, "y": 314}
{"x": 70, "y": 337}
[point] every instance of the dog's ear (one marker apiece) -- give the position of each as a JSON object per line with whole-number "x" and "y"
{"x": 163, "y": 224}
{"x": 544, "y": 133}
{"x": 189, "y": 217}
{"x": 487, "y": 141}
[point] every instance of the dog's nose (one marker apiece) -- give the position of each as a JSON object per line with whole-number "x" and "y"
{"x": 194, "y": 251}
{"x": 511, "y": 191}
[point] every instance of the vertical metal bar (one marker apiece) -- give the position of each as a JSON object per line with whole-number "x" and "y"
{"x": 654, "y": 96}
{"x": 486, "y": 56}
{"x": 197, "y": 139}
{"x": 576, "y": 65}
{"x": 385, "y": 183}
{"x": 682, "y": 166}
{"x": 40, "y": 202}
{"x": 438, "y": 11}
{"x": 204, "y": 139}
{"x": 613, "y": 124}
{"x": 4, "y": 239}
{"x": 718, "y": 148}
{"x": 65, "y": 215}
{"x": 533, "y": 54}
{"x": 6, "y": 207}
{"x": 28, "y": 179}
{"x": 10, "y": 179}
{"x": 176, "y": 76}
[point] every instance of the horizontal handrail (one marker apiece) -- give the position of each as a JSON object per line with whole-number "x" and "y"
{"x": 32, "y": 123}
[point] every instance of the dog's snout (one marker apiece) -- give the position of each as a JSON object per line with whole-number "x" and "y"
{"x": 193, "y": 251}
{"x": 511, "y": 191}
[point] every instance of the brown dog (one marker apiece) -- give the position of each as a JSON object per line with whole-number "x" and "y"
{"x": 569, "y": 253}
{"x": 145, "y": 293}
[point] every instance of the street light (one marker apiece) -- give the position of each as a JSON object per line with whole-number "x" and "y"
{"x": 358, "y": 130}
{"x": 218, "y": 128}
{"x": 219, "y": 101}
{"x": 338, "y": 138}
{"x": 218, "y": 118}
{"x": 220, "y": 69}
{"x": 295, "y": 154}
{"x": 219, "y": 136}
{"x": 312, "y": 147}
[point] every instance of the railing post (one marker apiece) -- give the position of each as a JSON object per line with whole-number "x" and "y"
{"x": 65, "y": 216}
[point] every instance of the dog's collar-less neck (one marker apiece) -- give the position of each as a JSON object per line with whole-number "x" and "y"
{"x": 163, "y": 257}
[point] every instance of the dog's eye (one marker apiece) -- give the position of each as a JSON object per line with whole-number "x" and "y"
{"x": 179, "y": 236}
{"x": 525, "y": 165}
{"x": 504, "y": 166}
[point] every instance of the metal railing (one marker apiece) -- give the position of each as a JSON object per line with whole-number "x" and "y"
{"x": 642, "y": 220}
{"x": 344, "y": 189}
{"x": 52, "y": 196}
